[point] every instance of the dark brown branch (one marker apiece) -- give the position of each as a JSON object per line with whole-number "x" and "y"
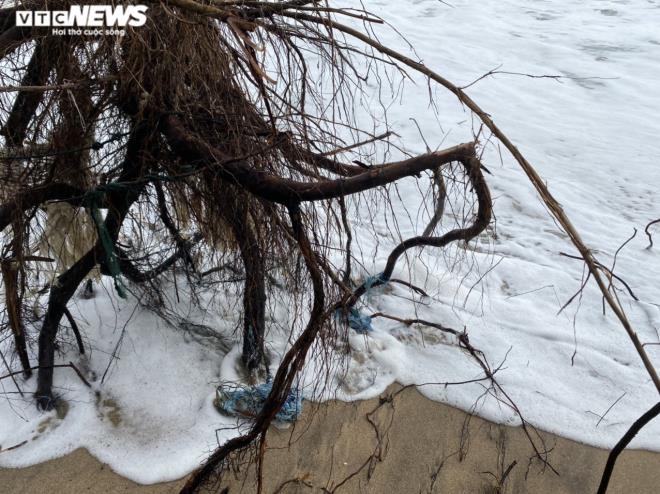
{"x": 349, "y": 239}
{"x": 254, "y": 291}
{"x": 80, "y": 375}
{"x": 119, "y": 202}
{"x": 13, "y": 305}
{"x": 410, "y": 285}
{"x": 410, "y": 322}
{"x": 26, "y": 103}
{"x": 286, "y": 191}
{"x": 131, "y": 272}
{"x": 623, "y": 442}
{"x": 54, "y": 366}
{"x": 609, "y": 273}
{"x": 576, "y": 294}
{"x": 484, "y": 213}
{"x": 60, "y": 293}
{"x": 182, "y": 246}
{"x": 223, "y": 267}
{"x": 440, "y": 204}
{"x": 646, "y": 230}
{"x": 76, "y": 331}
{"x": 33, "y": 197}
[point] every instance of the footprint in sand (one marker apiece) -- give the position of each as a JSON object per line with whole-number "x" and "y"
{"x": 50, "y": 423}
{"x": 109, "y": 409}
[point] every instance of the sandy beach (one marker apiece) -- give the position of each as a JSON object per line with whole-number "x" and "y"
{"x": 399, "y": 442}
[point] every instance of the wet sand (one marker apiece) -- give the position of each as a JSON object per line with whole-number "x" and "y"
{"x": 398, "y": 443}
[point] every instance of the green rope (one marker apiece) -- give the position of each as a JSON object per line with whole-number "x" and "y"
{"x": 91, "y": 200}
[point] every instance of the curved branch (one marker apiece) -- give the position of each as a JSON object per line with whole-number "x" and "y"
{"x": 484, "y": 213}
{"x": 26, "y": 103}
{"x": 646, "y": 230}
{"x": 76, "y": 330}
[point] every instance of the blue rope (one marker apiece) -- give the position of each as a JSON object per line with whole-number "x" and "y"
{"x": 357, "y": 321}
{"x": 378, "y": 279}
{"x": 237, "y": 400}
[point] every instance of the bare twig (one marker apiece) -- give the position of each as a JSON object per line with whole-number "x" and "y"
{"x": 12, "y": 374}
{"x": 608, "y": 272}
{"x": 646, "y": 230}
{"x": 71, "y": 365}
{"x": 379, "y": 137}
{"x": 55, "y": 87}
{"x": 478, "y": 356}
{"x": 610, "y": 408}
{"x": 553, "y": 77}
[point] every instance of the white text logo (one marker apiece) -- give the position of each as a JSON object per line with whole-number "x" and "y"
{"x": 84, "y": 16}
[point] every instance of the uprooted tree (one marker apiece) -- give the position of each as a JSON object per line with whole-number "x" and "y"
{"x": 180, "y": 120}
{"x": 207, "y": 120}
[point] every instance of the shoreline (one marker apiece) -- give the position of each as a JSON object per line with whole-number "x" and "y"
{"x": 399, "y": 442}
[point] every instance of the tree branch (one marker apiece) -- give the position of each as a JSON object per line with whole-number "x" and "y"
{"x": 35, "y": 196}
{"x": 287, "y": 370}
{"x": 286, "y": 191}
{"x": 26, "y": 103}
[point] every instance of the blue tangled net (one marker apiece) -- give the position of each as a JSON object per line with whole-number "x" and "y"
{"x": 357, "y": 321}
{"x": 247, "y": 401}
{"x": 370, "y": 281}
